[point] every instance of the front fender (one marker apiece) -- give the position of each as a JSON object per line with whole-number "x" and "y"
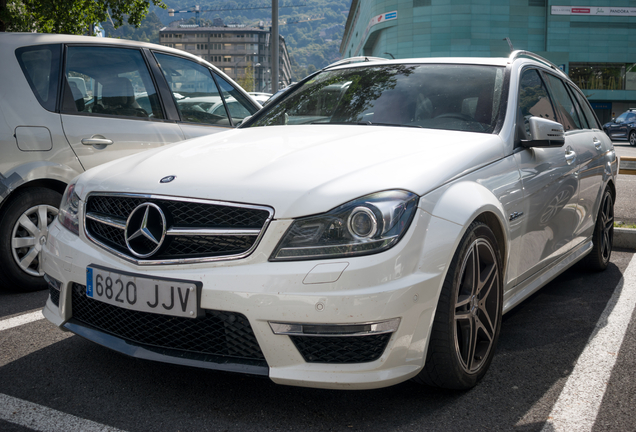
{"x": 462, "y": 203}
{"x": 31, "y": 171}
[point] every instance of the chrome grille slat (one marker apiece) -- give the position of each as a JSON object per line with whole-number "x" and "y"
{"x": 197, "y": 231}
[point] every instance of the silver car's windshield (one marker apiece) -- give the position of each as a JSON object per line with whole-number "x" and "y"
{"x": 448, "y": 96}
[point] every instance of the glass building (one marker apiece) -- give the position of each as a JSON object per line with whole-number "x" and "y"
{"x": 594, "y": 41}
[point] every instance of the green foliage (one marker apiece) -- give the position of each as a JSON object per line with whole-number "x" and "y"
{"x": 247, "y": 81}
{"x": 72, "y": 16}
{"x": 148, "y": 31}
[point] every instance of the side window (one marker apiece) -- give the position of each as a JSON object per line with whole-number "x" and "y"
{"x": 40, "y": 65}
{"x": 564, "y": 104}
{"x": 109, "y": 81}
{"x": 533, "y": 102}
{"x": 587, "y": 110}
{"x": 577, "y": 106}
{"x": 631, "y": 117}
{"x": 194, "y": 90}
{"x": 238, "y": 105}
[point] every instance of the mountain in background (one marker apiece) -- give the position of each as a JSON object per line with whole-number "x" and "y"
{"x": 312, "y": 30}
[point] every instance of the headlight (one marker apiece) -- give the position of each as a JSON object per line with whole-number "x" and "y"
{"x": 69, "y": 208}
{"x": 366, "y": 225}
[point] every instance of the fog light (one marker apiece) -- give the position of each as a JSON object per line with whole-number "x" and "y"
{"x": 53, "y": 283}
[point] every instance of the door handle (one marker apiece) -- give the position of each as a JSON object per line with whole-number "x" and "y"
{"x": 570, "y": 155}
{"x": 597, "y": 143}
{"x": 97, "y": 140}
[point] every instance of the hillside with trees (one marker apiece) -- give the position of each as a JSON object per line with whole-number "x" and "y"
{"x": 312, "y": 28}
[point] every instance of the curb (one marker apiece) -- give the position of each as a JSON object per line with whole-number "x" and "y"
{"x": 625, "y": 238}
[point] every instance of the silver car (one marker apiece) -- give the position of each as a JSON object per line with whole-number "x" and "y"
{"x": 70, "y": 103}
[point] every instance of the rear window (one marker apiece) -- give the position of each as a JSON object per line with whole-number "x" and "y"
{"x": 41, "y": 67}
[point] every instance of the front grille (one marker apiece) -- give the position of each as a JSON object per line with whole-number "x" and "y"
{"x": 341, "y": 349}
{"x": 194, "y": 216}
{"x": 218, "y": 333}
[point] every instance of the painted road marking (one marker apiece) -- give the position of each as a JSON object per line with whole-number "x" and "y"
{"x": 20, "y": 320}
{"x": 43, "y": 419}
{"x": 577, "y": 407}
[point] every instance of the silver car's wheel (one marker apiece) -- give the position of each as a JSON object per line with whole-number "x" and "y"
{"x": 24, "y": 224}
{"x": 477, "y": 306}
{"x": 29, "y": 235}
{"x": 468, "y": 316}
{"x": 603, "y": 238}
{"x": 632, "y": 138}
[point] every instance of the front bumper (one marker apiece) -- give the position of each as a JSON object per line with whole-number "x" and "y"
{"x": 400, "y": 284}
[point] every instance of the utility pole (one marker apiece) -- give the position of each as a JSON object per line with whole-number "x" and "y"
{"x": 274, "y": 59}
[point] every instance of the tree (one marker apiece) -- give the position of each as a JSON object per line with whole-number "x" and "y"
{"x": 70, "y": 16}
{"x": 247, "y": 81}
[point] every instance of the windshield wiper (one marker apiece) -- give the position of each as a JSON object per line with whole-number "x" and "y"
{"x": 368, "y": 123}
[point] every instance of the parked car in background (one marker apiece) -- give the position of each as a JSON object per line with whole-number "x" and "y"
{"x": 623, "y": 127}
{"x": 371, "y": 225}
{"x": 70, "y": 103}
{"x": 260, "y": 97}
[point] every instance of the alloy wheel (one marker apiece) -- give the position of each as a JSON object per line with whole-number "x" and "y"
{"x": 632, "y": 138}
{"x": 477, "y": 306}
{"x": 29, "y": 235}
{"x": 607, "y": 226}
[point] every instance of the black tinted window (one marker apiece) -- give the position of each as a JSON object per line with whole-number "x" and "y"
{"x": 40, "y": 65}
{"x": 453, "y": 97}
{"x": 564, "y": 104}
{"x": 587, "y": 110}
{"x": 533, "y": 102}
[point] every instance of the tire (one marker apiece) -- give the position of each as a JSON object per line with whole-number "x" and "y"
{"x": 468, "y": 316}
{"x": 24, "y": 225}
{"x": 603, "y": 237}
{"x": 632, "y": 138}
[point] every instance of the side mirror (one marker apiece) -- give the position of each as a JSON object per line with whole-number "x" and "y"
{"x": 543, "y": 133}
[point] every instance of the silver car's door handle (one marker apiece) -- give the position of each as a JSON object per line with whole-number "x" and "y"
{"x": 597, "y": 143}
{"x": 94, "y": 140}
{"x": 570, "y": 156}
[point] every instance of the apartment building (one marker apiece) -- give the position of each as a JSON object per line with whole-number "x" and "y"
{"x": 233, "y": 49}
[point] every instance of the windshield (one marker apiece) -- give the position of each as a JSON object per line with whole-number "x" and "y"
{"x": 453, "y": 97}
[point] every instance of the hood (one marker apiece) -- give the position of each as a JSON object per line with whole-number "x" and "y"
{"x": 298, "y": 170}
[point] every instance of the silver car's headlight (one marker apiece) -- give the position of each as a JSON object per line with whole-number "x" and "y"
{"x": 69, "y": 208}
{"x": 366, "y": 225}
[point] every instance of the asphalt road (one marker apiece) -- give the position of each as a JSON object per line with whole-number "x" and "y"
{"x": 541, "y": 341}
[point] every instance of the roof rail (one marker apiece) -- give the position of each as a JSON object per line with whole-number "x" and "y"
{"x": 358, "y": 59}
{"x": 518, "y": 53}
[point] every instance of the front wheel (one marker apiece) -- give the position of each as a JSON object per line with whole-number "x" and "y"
{"x": 468, "y": 316}
{"x": 632, "y": 138}
{"x": 24, "y": 225}
{"x": 603, "y": 237}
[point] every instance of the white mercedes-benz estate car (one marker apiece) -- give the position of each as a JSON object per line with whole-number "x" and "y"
{"x": 369, "y": 226}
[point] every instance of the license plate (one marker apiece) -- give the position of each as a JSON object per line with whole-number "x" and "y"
{"x": 154, "y": 295}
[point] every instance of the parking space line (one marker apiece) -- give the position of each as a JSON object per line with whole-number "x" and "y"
{"x": 20, "y": 320}
{"x": 44, "y": 419}
{"x": 578, "y": 405}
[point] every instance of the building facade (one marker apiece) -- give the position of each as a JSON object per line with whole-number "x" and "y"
{"x": 594, "y": 41}
{"x": 236, "y": 50}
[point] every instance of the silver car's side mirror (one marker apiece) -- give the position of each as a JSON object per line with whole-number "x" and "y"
{"x": 543, "y": 133}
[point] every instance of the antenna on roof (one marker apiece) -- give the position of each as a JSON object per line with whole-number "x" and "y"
{"x": 507, "y": 39}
